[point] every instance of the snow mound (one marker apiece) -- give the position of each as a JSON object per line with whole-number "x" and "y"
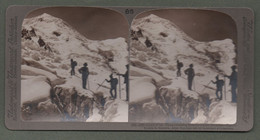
{"x": 117, "y": 111}
{"x": 222, "y": 112}
{"x": 141, "y": 89}
{"x": 39, "y": 89}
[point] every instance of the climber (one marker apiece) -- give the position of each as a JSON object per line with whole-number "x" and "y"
{"x": 73, "y": 64}
{"x": 113, "y": 85}
{"x": 219, "y": 85}
{"x": 148, "y": 43}
{"x": 32, "y": 32}
{"x": 179, "y": 66}
{"x": 233, "y": 83}
{"x": 84, "y": 72}
{"x": 126, "y": 81}
{"x": 41, "y": 42}
{"x": 190, "y": 72}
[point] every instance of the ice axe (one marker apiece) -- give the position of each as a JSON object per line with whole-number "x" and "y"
{"x": 119, "y": 87}
{"x": 193, "y": 83}
{"x": 206, "y": 86}
{"x": 100, "y": 84}
{"x": 88, "y": 83}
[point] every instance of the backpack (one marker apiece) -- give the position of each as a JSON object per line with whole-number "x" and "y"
{"x": 148, "y": 43}
{"x": 41, "y": 42}
{"x": 114, "y": 81}
{"x": 75, "y": 63}
{"x": 221, "y": 83}
{"x": 180, "y": 65}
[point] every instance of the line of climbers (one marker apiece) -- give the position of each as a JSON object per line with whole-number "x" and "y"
{"x": 219, "y": 83}
{"x": 113, "y": 81}
{"x": 28, "y": 34}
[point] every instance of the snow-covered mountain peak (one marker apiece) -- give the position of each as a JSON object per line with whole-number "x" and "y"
{"x": 155, "y": 18}
{"x": 170, "y": 42}
{"x": 44, "y": 18}
{"x": 52, "y": 28}
{"x": 156, "y": 27}
{"x": 47, "y": 17}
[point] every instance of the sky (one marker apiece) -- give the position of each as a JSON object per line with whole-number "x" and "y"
{"x": 101, "y": 23}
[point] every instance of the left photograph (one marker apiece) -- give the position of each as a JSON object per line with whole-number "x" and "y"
{"x": 74, "y": 65}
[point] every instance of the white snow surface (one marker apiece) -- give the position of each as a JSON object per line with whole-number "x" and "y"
{"x": 141, "y": 89}
{"x": 34, "y": 88}
{"x": 222, "y": 112}
{"x": 116, "y": 111}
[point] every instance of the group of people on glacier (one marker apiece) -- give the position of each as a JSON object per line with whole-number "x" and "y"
{"x": 113, "y": 81}
{"x": 219, "y": 82}
{"x": 189, "y": 72}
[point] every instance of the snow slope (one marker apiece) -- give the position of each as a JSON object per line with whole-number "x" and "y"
{"x": 103, "y": 57}
{"x": 158, "y": 62}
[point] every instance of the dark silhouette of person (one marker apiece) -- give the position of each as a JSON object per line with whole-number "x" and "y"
{"x": 73, "y": 64}
{"x": 126, "y": 81}
{"x": 113, "y": 86}
{"x": 179, "y": 66}
{"x": 148, "y": 43}
{"x": 190, "y": 72}
{"x": 32, "y": 32}
{"x": 219, "y": 85}
{"x": 233, "y": 83}
{"x": 41, "y": 42}
{"x": 84, "y": 72}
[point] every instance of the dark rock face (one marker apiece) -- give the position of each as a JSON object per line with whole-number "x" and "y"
{"x": 64, "y": 104}
{"x": 168, "y": 106}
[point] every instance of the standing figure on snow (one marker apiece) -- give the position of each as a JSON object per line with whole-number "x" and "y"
{"x": 84, "y": 71}
{"x": 73, "y": 64}
{"x": 126, "y": 81}
{"x": 41, "y": 42}
{"x": 233, "y": 83}
{"x": 219, "y": 85}
{"x": 148, "y": 43}
{"x": 32, "y": 32}
{"x": 113, "y": 85}
{"x": 190, "y": 72}
{"x": 179, "y": 66}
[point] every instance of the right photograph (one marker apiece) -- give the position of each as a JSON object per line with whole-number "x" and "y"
{"x": 183, "y": 67}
